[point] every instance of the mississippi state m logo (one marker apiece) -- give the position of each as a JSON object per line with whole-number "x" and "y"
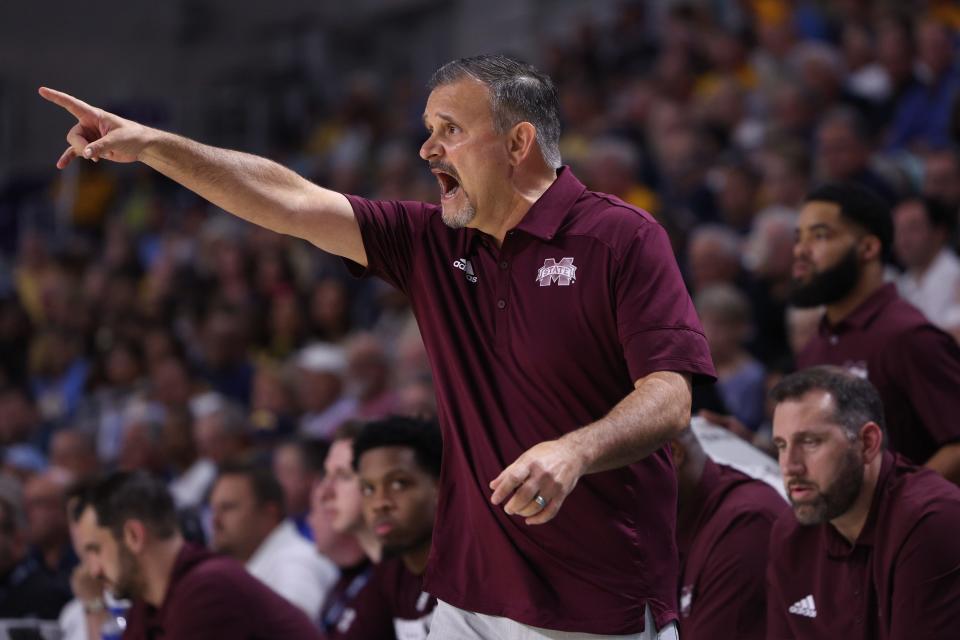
{"x": 563, "y": 272}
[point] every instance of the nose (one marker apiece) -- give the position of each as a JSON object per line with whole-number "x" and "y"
{"x": 791, "y": 462}
{"x": 429, "y": 149}
{"x": 325, "y": 490}
{"x": 380, "y": 501}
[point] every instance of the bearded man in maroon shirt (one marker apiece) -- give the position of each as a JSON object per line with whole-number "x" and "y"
{"x": 561, "y": 337}
{"x": 843, "y": 234}
{"x": 870, "y": 551}
{"x": 127, "y": 528}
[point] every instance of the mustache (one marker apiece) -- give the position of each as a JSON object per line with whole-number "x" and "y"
{"x": 439, "y": 165}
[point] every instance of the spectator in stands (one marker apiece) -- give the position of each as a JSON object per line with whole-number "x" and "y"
{"x": 923, "y": 228}
{"x": 26, "y": 589}
{"x": 941, "y": 180}
{"x": 220, "y": 430}
{"x": 297, "y": 465}
{"x": 723, "y": 529}
{"x": 870, "y": 549}
{"x": 249, "y": 525}
{"x": 714, "y": 256}
{"x": 340, "y": 532}
{"x": 225, "y": 364}
{"x": 141, "y": 438}
{"x": 922, "y": 117}
{"x": 398, "y": 463}
{"x": 131, "y": 541}
{"x": 273, "y": 404}
{"x": 320, "y": 390}
{"x": 843, "y": 151}
{"x": 19, "y": 418}
{"x": 74, "y": 451}
{"x": 44, "y": 504}
{"x": 725, "y": 314}
{"x": 369, "y": 377}
{"x": 844, "y": 231}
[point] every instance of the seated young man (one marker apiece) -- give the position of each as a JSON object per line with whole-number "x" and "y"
{"x": 870, "y": 550}
{"x": 398, "y": 463}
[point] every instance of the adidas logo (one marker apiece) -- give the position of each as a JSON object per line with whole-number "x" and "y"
{"x": 804, "y": 607}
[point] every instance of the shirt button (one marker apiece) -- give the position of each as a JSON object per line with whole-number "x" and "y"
{"x": 501, "y": 304}
{"x": 504, "y": 264}
{"x": 834, "y": 339}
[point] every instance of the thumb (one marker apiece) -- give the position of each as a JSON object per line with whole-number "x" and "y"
{"x": 102, "y": 147}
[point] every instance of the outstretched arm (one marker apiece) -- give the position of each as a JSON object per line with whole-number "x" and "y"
{"x": 654, "y": 412}
{"x": 253, "y": 188}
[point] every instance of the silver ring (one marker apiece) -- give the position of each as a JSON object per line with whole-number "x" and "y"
{"x": 540, "y": 500}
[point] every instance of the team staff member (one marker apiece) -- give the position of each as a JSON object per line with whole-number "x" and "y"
{"x": 128, "y": 528}
{"x": 561, "y": 337}
{"x": 397, "y": 461}
{"x": 870, "y": 550}
{"x": 843, "y": 232}
{"x": 723, "y": 529}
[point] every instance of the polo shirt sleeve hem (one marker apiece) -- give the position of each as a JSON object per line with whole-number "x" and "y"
{"x": 666, "y": 349}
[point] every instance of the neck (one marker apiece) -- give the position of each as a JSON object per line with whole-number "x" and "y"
{"x": 526, "y": 190}
{"x": 370, "y": 544}
{"x": 158, "y": 567}
{"x": 345, "y": 551}
{"x": 416, "y": 559}
{"x": 870, "y": 281}
{"x": 851, "y": 523}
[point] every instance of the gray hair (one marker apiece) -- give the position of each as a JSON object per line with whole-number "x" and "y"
{"x": 518, "y": 93}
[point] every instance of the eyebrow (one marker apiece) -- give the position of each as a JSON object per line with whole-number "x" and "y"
{"x": 442, "y": 116}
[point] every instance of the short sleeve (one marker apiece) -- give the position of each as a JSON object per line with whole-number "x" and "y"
{"x": 391, "y": 233}
{"x": 656, "y": 321}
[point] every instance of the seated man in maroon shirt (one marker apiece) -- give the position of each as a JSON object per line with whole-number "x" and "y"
{"x": 843, "y": 234}
{"x": 723, "y": 529}
{"x": 870, "y": 550}
{"x": 339, "y": 530}
{"x": 562, "y": 341}
{"x": 130, "y": 540}
{"x": 398, "y": 463}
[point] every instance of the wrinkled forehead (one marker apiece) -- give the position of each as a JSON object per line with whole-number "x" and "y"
{"x": 812, "y": 412}
{"x": 464, "y": 99}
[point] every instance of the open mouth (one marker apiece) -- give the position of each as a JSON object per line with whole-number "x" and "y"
{"x": 449, "y": 185}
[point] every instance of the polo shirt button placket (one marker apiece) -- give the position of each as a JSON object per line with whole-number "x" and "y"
{"x": 504, "y": 264}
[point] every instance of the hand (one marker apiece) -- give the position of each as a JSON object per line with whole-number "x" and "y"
{"x": 550, "y": 469}
{"x": 98, "y": 134}
{"x": 84, "y": 586}
{"x": 730, "y": 423}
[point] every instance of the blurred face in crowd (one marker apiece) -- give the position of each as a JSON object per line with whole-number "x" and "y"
{"x": 399, "y": 498}
{"x": 342, "y": 503}
{"x": 941, "y": 177}
{"x": 240, "y": 523}
{"x": 295, "y": 478}
{"x": 822, "y": 466}
{"x": 107, "y": 558}
{"x": 45, "y": 507}
{"x": 464, "y": 151}
{"x": 840, "y": 153}
{"x": 915, "y": 241}
{"x": 12, "y": 544}
{"x": 74, "y": 452}
{"x": 826, "y": 266}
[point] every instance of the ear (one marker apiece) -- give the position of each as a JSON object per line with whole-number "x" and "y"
{"x": 134, "y": 536}
{"x": 871, "y": 438}
{"x": 870, "y": 248}
{"x": 521, "y": 141}
{"x": 679, "y": 454}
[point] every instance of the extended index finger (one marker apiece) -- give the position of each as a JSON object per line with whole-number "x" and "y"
{"x": 78, "y": 108}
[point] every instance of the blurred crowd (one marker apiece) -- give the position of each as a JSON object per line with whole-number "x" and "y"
{"x": 145, "y": 330}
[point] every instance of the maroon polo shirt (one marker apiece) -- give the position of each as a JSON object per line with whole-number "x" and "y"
{"x": 392, "y": 604}
{"x": 901, "y": 579}
{"x": 212, "y": 597}
{"x": 528, "y": 342}
{"x": 914, "y": 365}
{"x": 723, "y": 534}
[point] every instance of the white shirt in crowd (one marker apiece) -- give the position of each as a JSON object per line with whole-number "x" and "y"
{"x": 287, "y": 563}
{"x": 937, "y": 291}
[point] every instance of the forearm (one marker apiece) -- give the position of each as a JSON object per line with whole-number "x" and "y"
{"x": 653, "y": 413}
{"x": 946, "y": 462}
{"x": 253, "y": 188}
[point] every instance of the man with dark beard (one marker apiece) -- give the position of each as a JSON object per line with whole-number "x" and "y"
{"x": 128, "y": 528}
{"x": 843, "y": 233}
{"x": 870, "y": 549}
{"x": 398, "y": 463}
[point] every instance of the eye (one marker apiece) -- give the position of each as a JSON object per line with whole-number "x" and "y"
{"x": 810, "y": 441}
{"x": 452, "y": 128}
{"x": 398, "y": 485}
{"x": 366, "y": 489}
